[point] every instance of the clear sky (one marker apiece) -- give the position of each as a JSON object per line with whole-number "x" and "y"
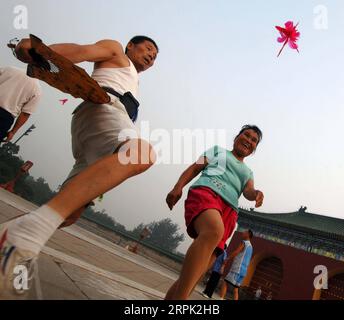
{"x": 217, "y": 69}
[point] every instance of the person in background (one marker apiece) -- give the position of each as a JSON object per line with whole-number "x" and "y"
{"x": 215, "y": 275}
{"x": 258, "y": 293}
{"x": 241, "y": 258}
{"x": 19, "y": 97}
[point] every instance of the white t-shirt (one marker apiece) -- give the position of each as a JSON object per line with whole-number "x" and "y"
{"x": 18, "y": 92}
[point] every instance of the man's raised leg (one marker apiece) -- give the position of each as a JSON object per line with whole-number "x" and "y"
{"x": 30, "y": 232}
{"x": 102, "y": 176}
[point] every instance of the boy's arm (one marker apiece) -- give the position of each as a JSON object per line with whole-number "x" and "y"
{"x": 103, "y": 50}
{"x": 251, "y": 194}
{"x": 236, "y": 251}
{"x": 190, "y": 173}
{"x": 232, "y": 256}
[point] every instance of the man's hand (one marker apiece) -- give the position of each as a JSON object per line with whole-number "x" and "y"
{"x": 22, "y": 51}
{"x": 173, "y": 197}
{"x": 259, "y": 198}
{"x": 9, "y": 136}
{"x": 72, "y": 218}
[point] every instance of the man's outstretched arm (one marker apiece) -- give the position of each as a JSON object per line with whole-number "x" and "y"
{"x": 103, "y": 50}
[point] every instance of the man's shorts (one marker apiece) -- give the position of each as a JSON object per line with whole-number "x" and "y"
{"x": 202, "y": 198}
{"x": 98, "y": 131}
{"x": 234, "y": 279}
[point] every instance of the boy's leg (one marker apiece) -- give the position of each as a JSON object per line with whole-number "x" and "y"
{"x": 223, "y": 290}
{"x": 216, "y": 283}
{"x": 236, "y": 293}
{"x": 211, "y": 261}
{"x": 208, "y": 285}
{"x": 171, "y": 291}
{"x": 210, "y": 264}
{"x": 211, "y": 284}
{"x": 209, "y": 227}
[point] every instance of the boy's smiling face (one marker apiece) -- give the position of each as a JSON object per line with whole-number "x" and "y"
{"x": 246, "y": 143}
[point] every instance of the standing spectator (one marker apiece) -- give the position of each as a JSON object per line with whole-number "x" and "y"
{"x": 19, "y": 96}
{"x": 215, "y": 275}
{"x": 241, "y": 258}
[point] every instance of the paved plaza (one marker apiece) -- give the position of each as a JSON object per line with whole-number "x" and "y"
{"x": 78, "y": 264}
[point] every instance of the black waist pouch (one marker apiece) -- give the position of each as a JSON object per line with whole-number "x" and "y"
{"x": 129, "y": 102}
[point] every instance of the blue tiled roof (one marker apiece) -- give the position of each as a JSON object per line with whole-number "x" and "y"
{"x": 300, "y": 219}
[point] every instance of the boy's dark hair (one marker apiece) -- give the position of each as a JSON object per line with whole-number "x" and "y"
{"x": 140, "y": 39}
{"x": 250, "y": 232}
{"x": 254, "y": 128}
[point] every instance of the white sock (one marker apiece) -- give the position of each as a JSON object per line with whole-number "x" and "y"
{"x": 32, "y": 231}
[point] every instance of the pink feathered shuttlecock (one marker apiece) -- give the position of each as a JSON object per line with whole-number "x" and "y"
{"x": 289, "y": 35}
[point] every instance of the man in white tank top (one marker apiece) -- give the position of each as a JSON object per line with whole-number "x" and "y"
{"x": 106, "y": 148}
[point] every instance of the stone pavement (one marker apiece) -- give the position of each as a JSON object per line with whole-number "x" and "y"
{"x": 79, "y": 265}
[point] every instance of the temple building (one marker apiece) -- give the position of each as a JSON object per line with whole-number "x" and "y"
{"x": 290, "y": 252}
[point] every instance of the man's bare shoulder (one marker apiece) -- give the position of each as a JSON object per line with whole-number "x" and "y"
{"x": 119, "y": 58}
{"x": 111, "y": 44}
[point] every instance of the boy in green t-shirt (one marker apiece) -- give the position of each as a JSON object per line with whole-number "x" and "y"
{"x": 212, "y": 205}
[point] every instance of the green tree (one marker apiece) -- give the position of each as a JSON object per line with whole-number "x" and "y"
{"x": 9, "y": 162}
{"x": 137, "y": 230}
{"x": 40, "y": 190}
{"x": 164, "y": 234}
{"x": 36, "y": 191}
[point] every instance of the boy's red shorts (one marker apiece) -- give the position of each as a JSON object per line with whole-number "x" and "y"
{"x": 202, "y": 198}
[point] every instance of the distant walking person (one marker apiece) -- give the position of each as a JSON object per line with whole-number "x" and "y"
{"x": 215, "y": 275}
{"x": 258, "y": 293}
{"x": 19, "y": 96}
{"x": 241, "y": 258}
